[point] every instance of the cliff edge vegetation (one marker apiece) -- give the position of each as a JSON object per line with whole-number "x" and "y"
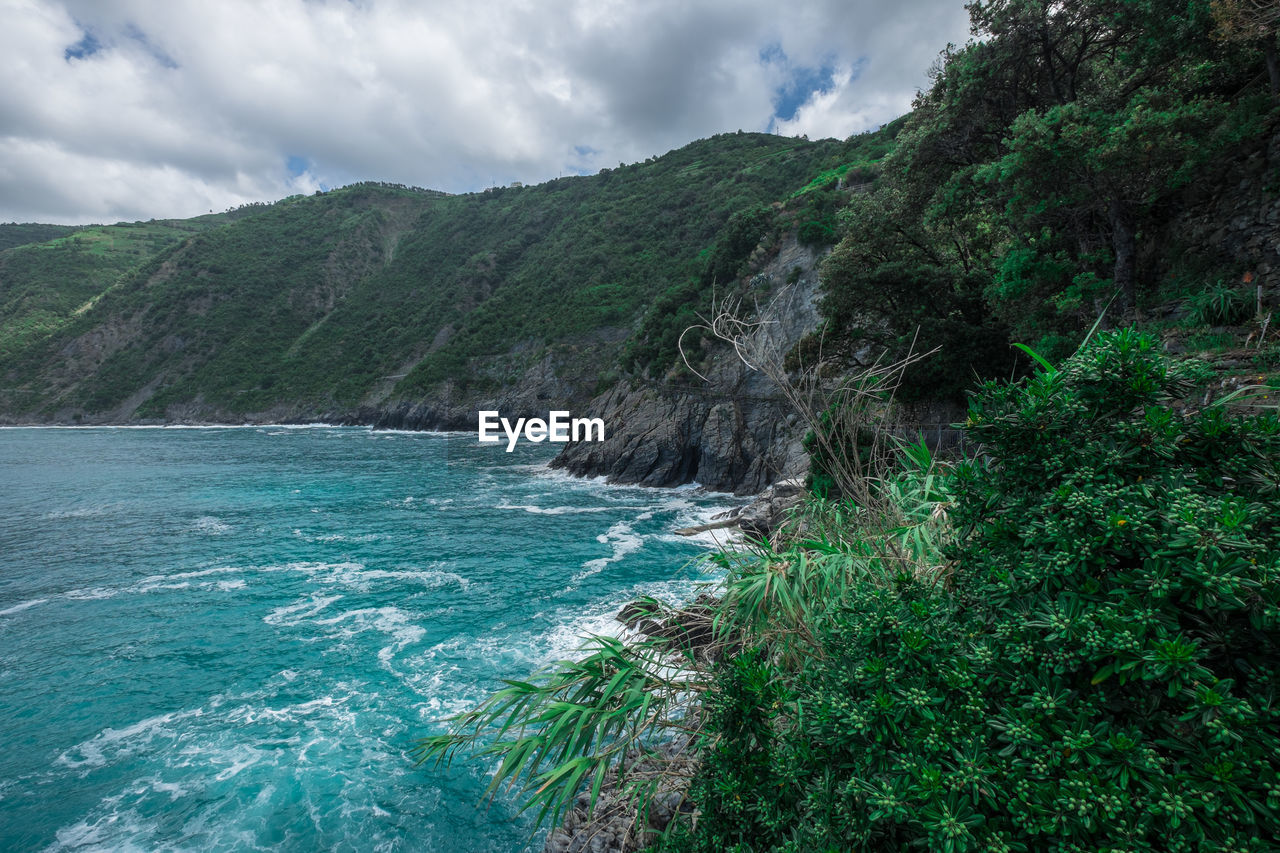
{"x": 1062, "y": 635}
{"x": 1066, "y": 641}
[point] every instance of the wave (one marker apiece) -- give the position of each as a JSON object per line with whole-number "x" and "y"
{"x": 558, "y": 510}
{"x": 250, "y": 714}
{"x": 622, "y": 539}
{"x": 96, "y": 593}
{"x": 116, "y": 830}
{"x": 211, "y": 525}
{"x": 337, "y": 537}
{"x": 251, "y": 753}
{"x": 80, "y": 512}
{"x": 544, "y": 471}
{"x": 159, "y": 583}
{"x": 178, "y": 580}
{"x": 573, "y": 628}
{"x": 18, "y": 608}
{"x": 357, "y": 576}
{"x": 410, "y": 500}
{"x": 299, "y": 611}
{"x": 400, "y": 626}
{"x": 111, "y": 744}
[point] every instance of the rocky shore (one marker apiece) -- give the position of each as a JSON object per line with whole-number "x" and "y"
{"x": 734, "y": 432}
{"x": 615, "y": 825}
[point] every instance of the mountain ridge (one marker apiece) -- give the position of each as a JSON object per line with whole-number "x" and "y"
{"x": 394, "y": 306}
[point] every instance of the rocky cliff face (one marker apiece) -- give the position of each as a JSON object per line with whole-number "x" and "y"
{"x": 1235, "y": 218}
{"x": 733, "y": 432}
{"x": 566, "y": 379}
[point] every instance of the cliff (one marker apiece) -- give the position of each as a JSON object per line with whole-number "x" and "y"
{"x": 733, "y": 431}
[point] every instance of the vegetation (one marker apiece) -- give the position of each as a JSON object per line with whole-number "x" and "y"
{"x": 1039, "y": 180}
{"x": 1065, "y": 642}
{"x": 376, "y": 292}
{"x": 20, "y": 234}
{"x": 1067, "y": 639}
{"x": 49, "y": 273}
{"x": 1096, "y": 672}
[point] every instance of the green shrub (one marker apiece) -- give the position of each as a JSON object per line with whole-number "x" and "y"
{"x": 1098, "y": 674}
{"x": 842, "y": 447}
{"x": 1220, "y": 306}
{"x": 818, "y": 232}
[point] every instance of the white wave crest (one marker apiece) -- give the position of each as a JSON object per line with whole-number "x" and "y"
{"x": 111, "y": 743}
{"x": 211, "y": 525}
{"x": 622, "y": 538}
{"x": 358, "y": 577}
{"x": 300, "y": 611}
{"x": 399, "y": 625}
{"x": 556, "y": 510}
{"x": 18, "y": 608}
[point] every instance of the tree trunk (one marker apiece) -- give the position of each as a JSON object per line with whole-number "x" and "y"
{"x": 1124, "y": 244}
{"x": 1273, "y": 66}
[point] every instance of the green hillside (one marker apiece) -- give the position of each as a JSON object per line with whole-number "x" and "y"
{"x": 375, "y": 292}
{"x": 49, "y": 273}
{"x": 21, "y": 233}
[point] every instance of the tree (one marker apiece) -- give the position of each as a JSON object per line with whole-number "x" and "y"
{"x": 1254, "y": 22}
{"x": 1090, "y": 172}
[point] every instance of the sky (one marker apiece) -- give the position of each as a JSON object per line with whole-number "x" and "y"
{"x": 140, "y": 109}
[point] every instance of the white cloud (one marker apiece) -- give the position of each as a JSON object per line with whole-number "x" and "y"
{"x": 185, "y": 107}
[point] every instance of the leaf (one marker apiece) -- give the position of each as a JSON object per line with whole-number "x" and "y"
{"x": 1049, "y": 369}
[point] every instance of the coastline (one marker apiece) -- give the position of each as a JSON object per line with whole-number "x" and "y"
{"x": 711, "y": 527}
{"x": 397, "y": 618}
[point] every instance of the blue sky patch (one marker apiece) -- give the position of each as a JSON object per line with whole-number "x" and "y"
{"x": 296, "y": 165}
{"x": 87, "y": 46}
{"x": 802, "y": 82}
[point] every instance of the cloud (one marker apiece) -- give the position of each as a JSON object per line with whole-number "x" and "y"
{"x": 143, "y": 108}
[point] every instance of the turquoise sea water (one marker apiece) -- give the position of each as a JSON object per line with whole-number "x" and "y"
{"x": 229, "y": 638}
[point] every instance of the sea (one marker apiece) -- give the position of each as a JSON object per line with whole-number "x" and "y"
{"x": 232, "y": 638}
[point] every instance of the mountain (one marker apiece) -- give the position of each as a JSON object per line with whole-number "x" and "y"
{"x": 381, "y": 303}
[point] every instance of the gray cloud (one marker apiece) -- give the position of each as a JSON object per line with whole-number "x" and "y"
{"x": 146, "y": 108}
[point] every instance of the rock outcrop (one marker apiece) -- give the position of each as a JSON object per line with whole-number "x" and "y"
{"x": 761, "y": 517}
{"x": 734, "y": 432}
{"x": 612, "y": 827}
{"x": 1235, "y": 219}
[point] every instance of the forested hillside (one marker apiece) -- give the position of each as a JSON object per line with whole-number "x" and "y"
{"x": 361, "y": 297}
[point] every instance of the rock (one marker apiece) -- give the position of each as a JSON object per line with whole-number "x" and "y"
{"x": 735, "y": 432}
{"x": 688, "y": 628}
{"x": 614, "y": 827}
{"x": 663, "y": 809}
{"x": 767, "y": 512}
